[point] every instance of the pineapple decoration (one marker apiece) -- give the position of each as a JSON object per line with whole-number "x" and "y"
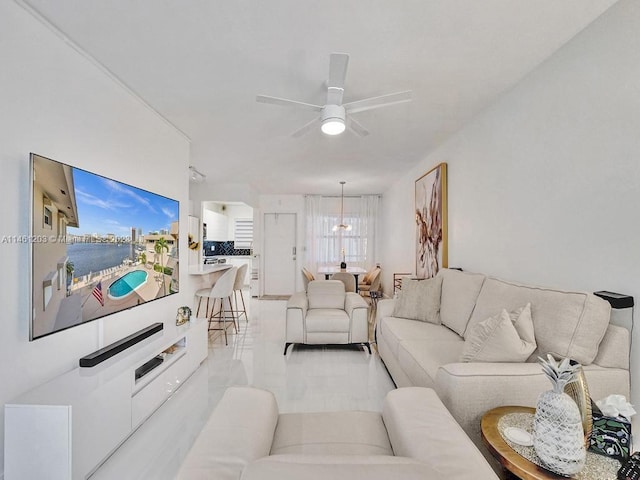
{"x": 558, "y": 435}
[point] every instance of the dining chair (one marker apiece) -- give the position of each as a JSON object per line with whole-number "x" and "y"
{"x": 370, "y": 282}
{"x": 222, "y": 289}
{"x": 348, "y": 279}
{"x": 237, "y": 287}
{"x": 307, "y": 277}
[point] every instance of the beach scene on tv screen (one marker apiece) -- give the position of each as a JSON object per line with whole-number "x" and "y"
{"x": 99, "y": 246}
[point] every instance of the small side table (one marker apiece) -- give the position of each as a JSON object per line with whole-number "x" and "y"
{"x": 397, "y": 281}
{"x": 520, "y": 467}
{"x": 508, "y": 458}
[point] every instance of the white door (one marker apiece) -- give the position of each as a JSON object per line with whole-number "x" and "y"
{"x": 279, "y": 253}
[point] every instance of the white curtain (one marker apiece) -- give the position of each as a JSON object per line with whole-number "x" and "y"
{"x": 358, "y": 247}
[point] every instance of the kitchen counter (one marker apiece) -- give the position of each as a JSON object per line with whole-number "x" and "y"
{"x": 234, "y": 261}
{"x": 207, "y": 269}
{"x": 204, "y": 276}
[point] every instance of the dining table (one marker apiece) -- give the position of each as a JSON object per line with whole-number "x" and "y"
{"x": 330, "y": 270}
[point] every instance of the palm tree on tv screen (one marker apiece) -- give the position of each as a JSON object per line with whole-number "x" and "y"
{"x": 160, "y": 245}
{"x": 70, "y": 269}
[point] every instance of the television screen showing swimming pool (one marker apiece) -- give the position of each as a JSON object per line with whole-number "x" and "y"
{"x": 98, "y": 246}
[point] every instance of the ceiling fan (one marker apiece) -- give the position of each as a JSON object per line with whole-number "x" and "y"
{"x": 333, "y": 114}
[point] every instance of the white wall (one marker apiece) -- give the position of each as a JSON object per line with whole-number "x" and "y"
{"x": 57, "y": 103}
{"x": 544, "y": 186}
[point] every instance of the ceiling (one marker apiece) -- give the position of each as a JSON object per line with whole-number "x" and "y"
{"x": 201, "y": 63}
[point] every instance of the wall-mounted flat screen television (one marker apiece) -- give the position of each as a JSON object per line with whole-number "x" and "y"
{"x": 98, "y": 246}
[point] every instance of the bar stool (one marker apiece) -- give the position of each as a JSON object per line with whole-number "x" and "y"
{"x": 222, "y": 289}
{"x": 237, "y": 287}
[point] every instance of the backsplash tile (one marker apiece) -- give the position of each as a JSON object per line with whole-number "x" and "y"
{"x": 223, "y": 248}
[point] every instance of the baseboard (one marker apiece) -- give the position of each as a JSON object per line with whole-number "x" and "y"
{"x": 274, "y": 297}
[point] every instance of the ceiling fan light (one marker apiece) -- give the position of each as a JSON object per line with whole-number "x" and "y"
{"x": 333, "y": 119}
{"x": 333, "y": 126}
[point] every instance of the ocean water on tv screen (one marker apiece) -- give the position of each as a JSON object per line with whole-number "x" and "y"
{"x": 94, "y": 257}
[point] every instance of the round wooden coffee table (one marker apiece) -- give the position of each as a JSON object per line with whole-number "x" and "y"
{"x": 509, "y": 458}
{"x": 597, "y": 467}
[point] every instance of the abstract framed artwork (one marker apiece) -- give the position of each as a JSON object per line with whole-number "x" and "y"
{"x": 431, "y": 222}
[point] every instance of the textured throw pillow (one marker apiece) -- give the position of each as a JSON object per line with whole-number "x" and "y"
{"x": 506, "y": 337}
{"x": 419, "y": 300}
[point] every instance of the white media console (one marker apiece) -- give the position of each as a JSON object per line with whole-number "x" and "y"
{"x": 65, "y": 428}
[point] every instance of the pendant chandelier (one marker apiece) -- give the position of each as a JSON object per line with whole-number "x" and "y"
{"x": 342, "y": 225}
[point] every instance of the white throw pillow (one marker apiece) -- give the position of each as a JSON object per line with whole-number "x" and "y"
{"x": 419, "y": 300}
{"x": 506, "y": 337}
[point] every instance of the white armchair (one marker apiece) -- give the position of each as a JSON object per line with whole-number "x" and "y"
{"x": 326, "y": 314}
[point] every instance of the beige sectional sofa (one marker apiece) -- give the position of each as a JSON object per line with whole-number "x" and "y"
{"x": 414, "y": 438}
{"x": 574, "y": 324}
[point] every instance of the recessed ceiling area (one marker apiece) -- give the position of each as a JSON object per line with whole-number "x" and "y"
{"x": 201, "y": 63}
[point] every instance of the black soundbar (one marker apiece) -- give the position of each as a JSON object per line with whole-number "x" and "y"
{"x": 147, "y": 367}
{"x": 109, "y": 351}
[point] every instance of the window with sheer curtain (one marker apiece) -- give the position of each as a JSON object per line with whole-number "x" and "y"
{"x": 358, "y": 246}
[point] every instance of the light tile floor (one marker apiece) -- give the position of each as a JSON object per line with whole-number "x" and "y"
{"x": 307, "y": 379}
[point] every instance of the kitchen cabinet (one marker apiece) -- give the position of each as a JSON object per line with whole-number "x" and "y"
{"x": 217, "y": 226}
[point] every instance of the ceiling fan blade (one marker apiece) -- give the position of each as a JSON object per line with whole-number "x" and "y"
{"x": 284, "y": 102}
{"x": 305, "y": 128}
{"x": 338, "y": 63}
{"x": 377, "y": 102}
{"x": 357, "y": 127}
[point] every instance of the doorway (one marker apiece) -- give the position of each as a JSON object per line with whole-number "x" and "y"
{"x": 279, "y": 253}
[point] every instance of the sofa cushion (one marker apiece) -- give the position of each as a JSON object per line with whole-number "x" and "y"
{"x": 395, "y": 330}
{"x": 326, "y": 338}
{"x": 419, "y": 300}
{"x": 337, "y": 467}
{"x": 506, "y": 337}
{"x": 327, "y": 320}
{"x": 331, "y": 433}
{"x": 566, "y": 324}
{"x": 459, "y": 294}
{"x": 326, "y": 294}
{"x": 421, "y": 359}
